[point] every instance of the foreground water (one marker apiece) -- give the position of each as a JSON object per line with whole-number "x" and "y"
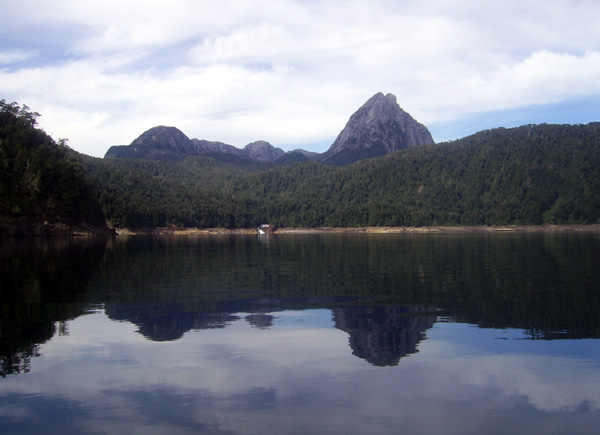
{"x": 474, "y": 333}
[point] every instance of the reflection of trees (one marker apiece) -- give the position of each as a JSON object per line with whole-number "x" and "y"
{"x": 382, "y": 334}
{"x": 17, "y": 358}
{"x": 42, "y": 280}
{"x": 547, "y": 284}
{"x": 543, "y": 283}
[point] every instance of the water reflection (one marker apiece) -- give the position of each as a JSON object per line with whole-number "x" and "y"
{"x": 298, "y": 376}
{"x": 545, "y": 284}
{"x": 166, "y": 321}
{"x": 337, "y": 334}
{"x": 41, "y": 282}
{"x": 382, "y": 335}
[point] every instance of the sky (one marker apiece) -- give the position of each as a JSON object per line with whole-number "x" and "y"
{"x": 292, "y": 72}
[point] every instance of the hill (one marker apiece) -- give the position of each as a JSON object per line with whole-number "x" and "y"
{"x": 43, "y": 189}
{"x": 530, "y": 175}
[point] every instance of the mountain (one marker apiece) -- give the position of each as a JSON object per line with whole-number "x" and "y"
{"x": 379, "y": 127}
{"x": 292, "y": 157}
{"x": 171, "y": 144}
{"x": 158, "y": 143}
{"x": 206, "y": 147}
{"x": 530, "y": 175}
{"x": 262, "y": 151}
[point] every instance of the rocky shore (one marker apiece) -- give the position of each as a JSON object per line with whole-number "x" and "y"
{"x": 171, "y": 231}
{"x": 29, "y": 226}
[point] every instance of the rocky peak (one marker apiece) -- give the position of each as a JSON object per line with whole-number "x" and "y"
{"x": 167, "y": 138}
{"x": 160, "y": 143}
{"x": 378, "y": 127}
{"x": 263, "y": 151}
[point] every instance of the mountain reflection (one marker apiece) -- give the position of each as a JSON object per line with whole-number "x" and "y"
{"x": 548, "y": 285}
{"x": 166, "y": 322}
{"x": 260, "y": 320}
{"x": 382, "y": 335}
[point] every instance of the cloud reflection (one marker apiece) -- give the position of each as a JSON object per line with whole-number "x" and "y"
{"x": 294, "y": 374}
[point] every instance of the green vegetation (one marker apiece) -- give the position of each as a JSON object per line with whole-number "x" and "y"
{"x": 536, "y": 174}
{"x": 543, "y": 174}
{"x": 39, "y": 177}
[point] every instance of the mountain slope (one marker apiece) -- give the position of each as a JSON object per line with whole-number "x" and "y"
{"x": 377, "y": 128}
{"x": 530, "y": 175}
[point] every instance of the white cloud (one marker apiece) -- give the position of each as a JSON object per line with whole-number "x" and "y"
{"x": 462, "y": 380}
{"x": 13, "y": 56}
{"x": 288, "y": 72}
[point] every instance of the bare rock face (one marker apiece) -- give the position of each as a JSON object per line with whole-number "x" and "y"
{"x": 167, "y": 138}
{"x": 207, "y": 147}
{"x": 379, "y": 127}
{"x": 262, "y": 151}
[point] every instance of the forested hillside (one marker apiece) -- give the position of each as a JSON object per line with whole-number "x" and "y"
{"x": 539, "y": 174}
{"x": 39, "y": 178}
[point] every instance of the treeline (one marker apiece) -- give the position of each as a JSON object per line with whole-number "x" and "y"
{"x": 39, "y": 177}
{"x": 537, "y": 174}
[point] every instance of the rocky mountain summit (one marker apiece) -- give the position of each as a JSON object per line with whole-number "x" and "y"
{"x": 158, "y": 143}
{"x": 171, "y": 144}
{"x": 262, "y": 151}
{"x": 379, "y": 127}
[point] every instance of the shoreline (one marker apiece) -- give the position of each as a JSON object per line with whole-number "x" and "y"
{"x": 36, "y": 226}
{"x": 169, "y": 231}
{"x": 24, "y": 226}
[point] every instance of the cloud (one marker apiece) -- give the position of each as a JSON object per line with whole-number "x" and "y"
{"x": 301, "y": 371}
{"x": 13, "y": 56}
{"x": 288, "y": 72}
{"x": 544, "y": 77}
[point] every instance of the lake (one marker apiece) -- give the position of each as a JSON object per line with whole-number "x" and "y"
{"x": 327, "y": 333}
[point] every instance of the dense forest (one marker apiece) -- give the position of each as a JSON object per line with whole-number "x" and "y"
{"x": 38, "y": 176}
{"x": 542, "y": 174}
{"x": 535, "y": 174}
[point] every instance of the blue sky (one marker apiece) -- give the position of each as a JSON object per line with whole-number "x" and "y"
{"x": 293, "y": 71}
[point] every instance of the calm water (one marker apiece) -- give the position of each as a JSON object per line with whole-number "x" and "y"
{"x": 301, "y": 334}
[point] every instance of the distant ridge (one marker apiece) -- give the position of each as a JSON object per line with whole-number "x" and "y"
{"x": 171, "y": 144}
{"x": 378, "y": 127}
